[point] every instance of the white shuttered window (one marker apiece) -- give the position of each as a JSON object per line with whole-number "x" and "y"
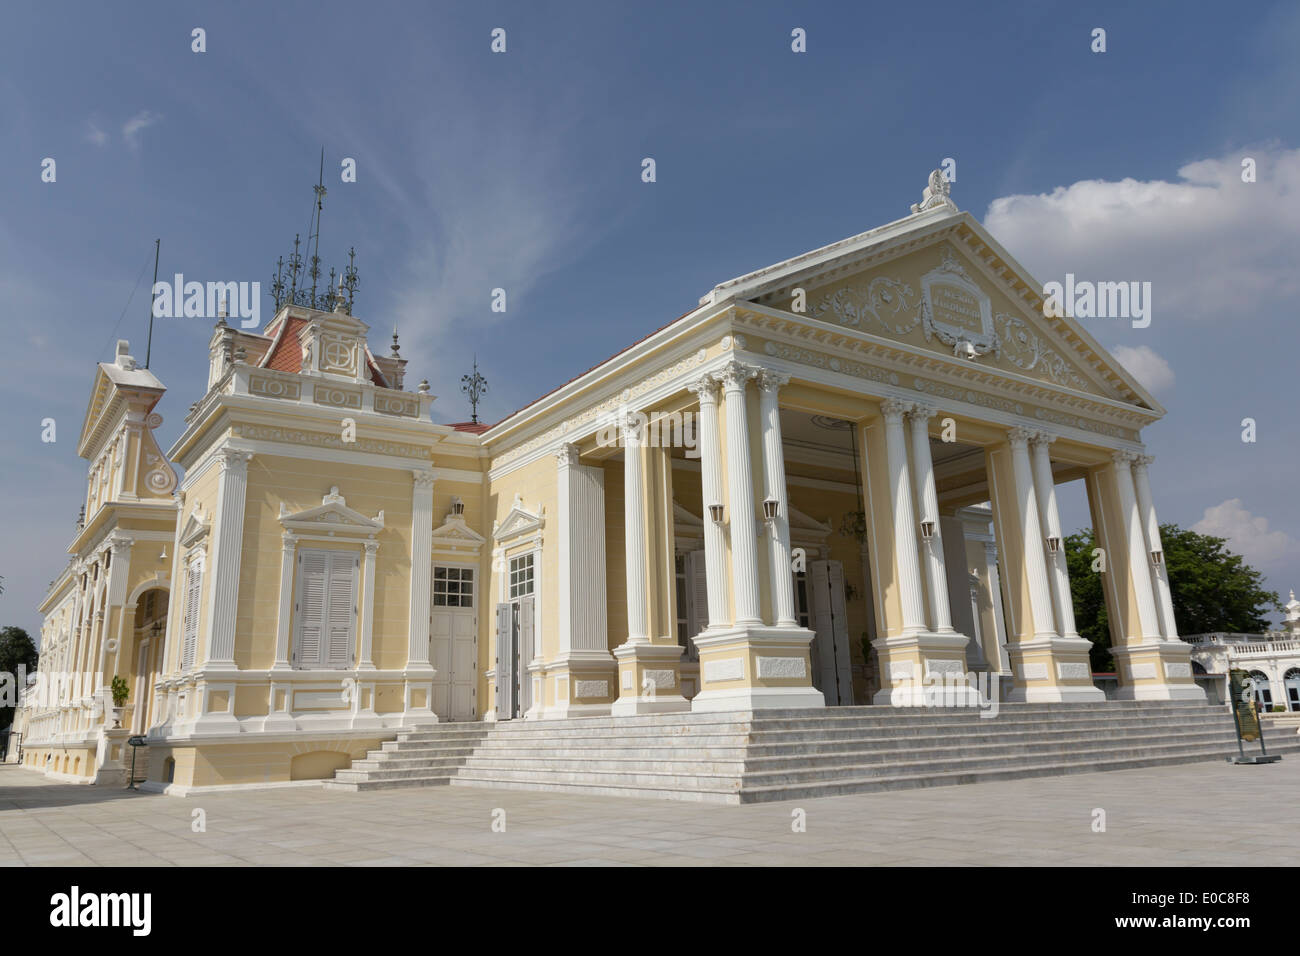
{"x": 190, "y": 618}
{"x": 326, "y": 611}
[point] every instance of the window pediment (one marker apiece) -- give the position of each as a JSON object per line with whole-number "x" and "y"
{"x": 332, "y": 517}
{"x": 519, "y": 522}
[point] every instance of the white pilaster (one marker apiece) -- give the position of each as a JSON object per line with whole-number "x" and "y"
{"x": 1148, "y": 621}
{"x": 368, "y": 607}
{"x": 1159, "y": 573}
{"x": 583, "y": 623}
{"x": 740, "y": 492}
{"x": 417, "y": 654}
{"x": 774, "y": 489}
{"x": 905, "y": 533}
{"x": 1050, "y": 522}
{"x": 288, "y": 554}
{"x": 227, "y": 546}
{"x": 1040, "y": 591}
{"x": 715, "y": 543}
{"x": 638, "y": 624}
{"x": 928, "y": 500}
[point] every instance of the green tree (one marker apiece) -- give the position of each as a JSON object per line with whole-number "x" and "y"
{"x": 1212, "y": 589}
{"x": 16, "y": 648}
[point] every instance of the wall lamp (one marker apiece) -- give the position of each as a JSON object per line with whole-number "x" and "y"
{"x": 716, "y": 513}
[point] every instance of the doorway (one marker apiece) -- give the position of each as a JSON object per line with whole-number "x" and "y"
{"x": 820, "y": 606}
{"x": 453, "y": 629}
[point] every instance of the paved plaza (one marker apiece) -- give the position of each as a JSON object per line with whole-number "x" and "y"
{"x": 1200, "y": 814}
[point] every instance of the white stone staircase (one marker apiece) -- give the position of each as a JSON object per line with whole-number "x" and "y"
{"x": 783, "y": 755}
{"x": 424, "y": 756}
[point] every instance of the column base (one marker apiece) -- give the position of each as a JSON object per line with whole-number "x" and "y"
{"x": 584, "y": 684}
{"x": 1052, "y": 670}
{"x": 1156, "y": 670}
{"x": 925, "y": 669}
{"x": 649, "y": 678}
{"x": 755, "y": 668}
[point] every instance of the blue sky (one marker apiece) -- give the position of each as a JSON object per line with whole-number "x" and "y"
{"x": 522, "y": 171}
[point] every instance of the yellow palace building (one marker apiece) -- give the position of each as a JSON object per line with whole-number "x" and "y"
{"x": 831, "y": 482}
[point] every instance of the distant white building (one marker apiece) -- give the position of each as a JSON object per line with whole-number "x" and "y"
{"x": 1272, "y": 660}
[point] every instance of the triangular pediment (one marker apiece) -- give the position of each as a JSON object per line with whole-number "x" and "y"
{"x": 519, "y": 521}
{"x": 331, "y": 516}
{"x": 455, "y": 533}
{"x": 196, "y": 527}
{"x": 939, "y": 282}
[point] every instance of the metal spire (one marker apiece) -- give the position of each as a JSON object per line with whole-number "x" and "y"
{"x": 473, "y": 386}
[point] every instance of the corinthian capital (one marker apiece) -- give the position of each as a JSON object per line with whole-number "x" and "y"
{"x": 769, "y": 380}
{"x": 234, "y": 460}
{"x": 894, "y": 409}
{"x": 1140, "y": 462}
{"x": 921, "y": 412}
{"x": 734, "y": 375}
{"x": 1020, "y": 436}
{"x": 1123, "y": 459}
{"x": 1042, "y": 438}
{"x": 706, "y": 389}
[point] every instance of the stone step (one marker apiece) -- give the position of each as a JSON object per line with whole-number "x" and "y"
{"x": 743, "y": 756}
{"x": 882, "y": 748}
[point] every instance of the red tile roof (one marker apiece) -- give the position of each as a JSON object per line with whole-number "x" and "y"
{"x": 286, "y": 353}
{"x": 477, "y": 428}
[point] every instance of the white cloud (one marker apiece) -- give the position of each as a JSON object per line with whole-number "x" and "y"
{"x": 137, "y": 124}
{"x": 95, "y": 135}
{"x": 1247, "y": 534}
{"x": 1146, "y": 365}
{"x": 1210, "y": 244}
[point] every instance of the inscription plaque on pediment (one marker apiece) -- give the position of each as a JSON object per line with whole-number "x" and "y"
{"x": 955, "y": 310}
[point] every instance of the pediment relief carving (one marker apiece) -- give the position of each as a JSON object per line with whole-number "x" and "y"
{"x": 195, "y": 528}
{"x": 949, "y": 304}
{"x": 454, "y": 532}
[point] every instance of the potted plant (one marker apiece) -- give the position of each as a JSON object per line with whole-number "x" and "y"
{"x": 120, "y": 692}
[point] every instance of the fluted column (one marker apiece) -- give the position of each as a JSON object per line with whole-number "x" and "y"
{"x": 1050, "y": 522}
{"x": 928, "y": 500}
{"x": 227, "y": 543}
{"x": 417, "y": 652}
{"x": 1159, "y": 572}
{"x": 1139, "y": 561}
{"x": 774, "y": 489}
{"x": 1040, "y": 590}
{"x": 900, "y": 496}
{"x": 634, "y": 528}
{"x": 740, "y": 487}
{"x": 715, "y": 542}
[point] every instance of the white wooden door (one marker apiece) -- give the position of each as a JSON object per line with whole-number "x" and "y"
{"x": 453, "y": 631}
{"x": 505, "y": 662}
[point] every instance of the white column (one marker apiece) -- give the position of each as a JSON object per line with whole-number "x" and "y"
{"x": 368, "y": 607}
{"x": 1159, "y": 573}
{"x": 1139, "y": 561}
{"x": 1050, "y": 521}
{"x": 634, "y": 530}
{"x": 288, "y": 554}
{"x": 1040, "y": 591}
{"x": 740, "y": 494}
{"x": 935, "y": 574}
{"x": 905, "y": 533}
{"x": 227, "y": 548}
{"x": 421, "y": 568}
{"x": 774, "y": 489}
{"x": 715, "y": 542}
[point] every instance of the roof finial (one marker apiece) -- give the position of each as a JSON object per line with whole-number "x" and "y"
{"x": 473, "y": 386}
{"x": 935, "y": 194}
{"x": 396, "y": 348}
